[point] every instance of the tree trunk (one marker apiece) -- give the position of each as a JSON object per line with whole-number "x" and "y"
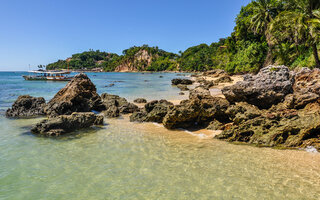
{"x": 268, "y": 60}
{"x": 316, "y": 56}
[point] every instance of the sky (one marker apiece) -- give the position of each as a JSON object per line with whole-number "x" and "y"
{"x": 34, "y": 32}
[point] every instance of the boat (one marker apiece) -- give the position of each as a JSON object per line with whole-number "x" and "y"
{"x": 42, "y": 75}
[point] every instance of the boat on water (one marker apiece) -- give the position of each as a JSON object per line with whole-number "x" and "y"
{"x": 42, "y": 75}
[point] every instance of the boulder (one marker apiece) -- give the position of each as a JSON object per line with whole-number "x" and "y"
{"x": 279, "y": 128}
{"x": 63, "y": 124}
{"x": 265, "y": 89}
{"x": 27, "y": 106}
{"x": 178, "y": 81}
{"x": 140, "y": 100}
{"x": 128, "y": 108}
{"x": 112, "y": 100}
{"x": 196, "y": 113}
{"x": 183, "y": 87}
{"x": 79, "y": 95}
{"x": 224, "y": 79}
{"x": 112, "y": 111}
{"x": 153, "y": 111}
{"x": 199, "y": 93}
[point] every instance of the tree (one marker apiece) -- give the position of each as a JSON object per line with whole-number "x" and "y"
{"x": 300, "y": 24}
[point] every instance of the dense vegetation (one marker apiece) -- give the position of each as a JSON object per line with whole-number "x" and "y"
{"x": 267, "y": 32}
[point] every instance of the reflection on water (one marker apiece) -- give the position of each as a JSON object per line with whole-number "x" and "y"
{"x": 126, "y": 160}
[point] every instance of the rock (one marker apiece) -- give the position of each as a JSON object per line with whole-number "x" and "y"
{"x": 112, "y": 112}
{"x": 215, "y": 73}
{"x": 160, "y": 76}
{"x": 112, "y": 100}
{"x": 79, "y": 95}
{"x": 199, "y": 93}
{"x": 154, "y": 111}
{"x": 63, "y": 124}
{"x": 215, "y": 125}
{"x": 128, "y": 108}
{"x": 110, "y": 85}
{"x": 196, "y": 113}
{"x": 224, "y": 79}
{"x": 180, "y": 81}
{"x": 268, "y": 87}
{"x": 181, "y": 93}
{"x": 242, "y": 111}
{"x": 281, "y": 128}
{"x": 140, "y": 100}
{"x": 183, "y": 87}
{"x": 27, "y": 106}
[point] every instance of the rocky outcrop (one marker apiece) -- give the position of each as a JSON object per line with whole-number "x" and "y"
{"x": 63, "y": 124}
{"x": 277, "y": 128}
{"x": 199, "y": 93}
{"x": 224, "y": 79}
{"x": 140, "y": 100}
{"x": 179, "y": 81}
{"x": 79, "y": 95}
{"x": 27, "y": 106}
{"x": 196, "y": 112}
{"x": 215, "y": 73}
{"x": 268, "y": 87}
{"x": 153, "y": 111}
{"x": 115, "y": 105}
{"x": 139, "y": 61}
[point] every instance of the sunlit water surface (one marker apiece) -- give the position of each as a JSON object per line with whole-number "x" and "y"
{"x": 124, "y": 160}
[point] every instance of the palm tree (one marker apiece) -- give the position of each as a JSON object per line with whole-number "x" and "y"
{"x": 300, "y": 24}
{"x": 264, "y": 11}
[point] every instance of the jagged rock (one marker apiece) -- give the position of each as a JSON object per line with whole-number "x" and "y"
{"x": 199, "y": 93}
{"x": 112, "y": 100}
{"x": 79, "y": 95}
{"x": 215, "y": 125}
{"x": 268, "y": 87}
{"x": 183, "y": 87}
{"x": 242, "y": 111}
{"x": 112, "y": 111}
{"x": 63, "y": 124}
{"x": 140, "y": 100}
{"x": 154, "y": 111}
{"x": 128, "y": 108}
{"x": 196, "y": 113}
{"x": 224, "y": 79}
{"x": 179, "y": 81}
{"x": 27, "y": 106}
{"x": 282, "y": 128}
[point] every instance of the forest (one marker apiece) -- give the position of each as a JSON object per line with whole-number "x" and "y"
{"x": 281, "y": 32}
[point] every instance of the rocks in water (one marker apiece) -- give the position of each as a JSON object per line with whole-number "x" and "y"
{"x": 160, "y": 76}
{"x": 115, "y": 105}
{"x": 197, "y": 112}
{"x": 183, "y": 87}
{"x": 110, "y": 85}
{"x": 268, "y": 87}
{"x": 179, "y": 81}
{"x": 224, "y": 79}
{"x": 181, "y": 93}
{"x": 154, "y": 111}
{"x": 79, "y": 95}
{"x": 140, "y": 100}
{"x": 27, "y": 106}
{"x": 282, "y": 128}
{"x": 63, "y": 124}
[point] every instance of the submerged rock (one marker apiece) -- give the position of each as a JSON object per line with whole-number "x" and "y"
{"x": 180, "y": 81}
{"x": 79, "y": 95}
{"x": 27, "y": 106}
{"x": 63, "y": 124}
{"x": 268, "y": 87}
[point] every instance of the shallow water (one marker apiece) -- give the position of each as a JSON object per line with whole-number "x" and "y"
{"x": 124, "y": 160}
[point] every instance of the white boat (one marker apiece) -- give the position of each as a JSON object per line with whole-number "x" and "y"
{"x": 42, "y": 75}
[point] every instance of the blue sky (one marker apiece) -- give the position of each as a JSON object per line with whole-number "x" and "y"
{"x": 43, "y": 31}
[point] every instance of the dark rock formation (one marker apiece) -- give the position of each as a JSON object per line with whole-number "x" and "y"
{"x": 128, "y": 108}
{"x": 27, "y": 106}
{"x": 178, "y": 81}
{"x": 115, "y": 105}
{"x": 199, "y": 93}
{"x": 196, "y": 112}
{"x": 268, "y": 87}
{"x": 79, "y": 95}
{"x": 110, "y": 85}
{"x": 281, "y": 128}
{"x": 112, "y": 111}
{"x": 66, "y": 123}
{"x": 140, "y": 100}
{"x": 181, "y": 93}
{"x": 154, "y": 111}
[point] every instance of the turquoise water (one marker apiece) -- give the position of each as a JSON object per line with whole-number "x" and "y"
{"x": 126, "y": 160}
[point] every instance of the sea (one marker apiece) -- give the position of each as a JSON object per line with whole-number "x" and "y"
{"x": 126, "y": 160}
